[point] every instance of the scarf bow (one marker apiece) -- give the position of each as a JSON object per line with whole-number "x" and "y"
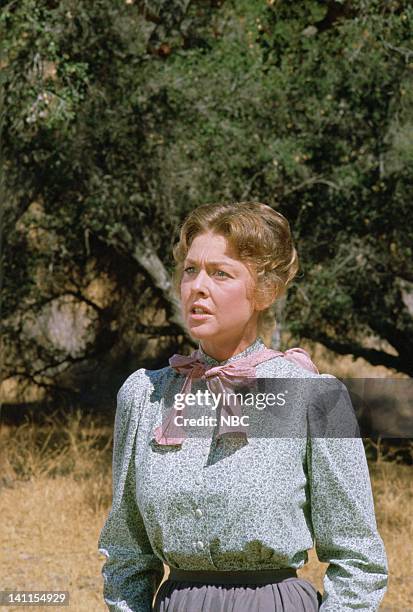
{"x": 221, "y": 378}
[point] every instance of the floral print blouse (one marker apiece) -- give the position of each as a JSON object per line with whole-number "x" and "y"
{"x": 229, "y": 504}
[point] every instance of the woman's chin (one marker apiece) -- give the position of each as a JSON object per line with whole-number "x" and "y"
{"x": 201, "y": 332}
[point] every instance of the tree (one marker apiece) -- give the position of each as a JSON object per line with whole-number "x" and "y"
{"x": 344, "y": 86}
{"x": 122, "y": 116}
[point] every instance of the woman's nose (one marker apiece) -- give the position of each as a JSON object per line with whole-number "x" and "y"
{"x": 201, "y": 282}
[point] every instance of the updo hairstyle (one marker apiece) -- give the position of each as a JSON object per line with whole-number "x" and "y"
{"x": 261, "y": 239}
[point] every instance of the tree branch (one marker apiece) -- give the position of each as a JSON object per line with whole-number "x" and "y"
{"x": 402, "y": 50}
{"x": 312, "y": 181}
{"x": 144, "y": 254}
{"x": 373, "y": 356}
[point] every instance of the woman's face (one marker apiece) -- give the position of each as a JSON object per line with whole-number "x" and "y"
{"x": 219, "y": 283}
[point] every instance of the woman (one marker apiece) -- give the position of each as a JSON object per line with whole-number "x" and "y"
{"x": 231, "y": 514}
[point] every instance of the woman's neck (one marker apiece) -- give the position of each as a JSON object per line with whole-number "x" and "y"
{"x": 223, "y": 352}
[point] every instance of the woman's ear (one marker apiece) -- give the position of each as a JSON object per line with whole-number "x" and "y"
{"x": 265, "y": 300}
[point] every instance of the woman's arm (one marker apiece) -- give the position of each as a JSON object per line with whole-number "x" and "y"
{"x": 131, "y": 571}
{"x": 344, "y": 523}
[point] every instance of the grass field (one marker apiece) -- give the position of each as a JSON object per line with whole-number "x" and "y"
{"x": 55, "y": 494}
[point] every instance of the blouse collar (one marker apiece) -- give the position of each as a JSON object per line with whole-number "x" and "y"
{"x": 257, "y": 345}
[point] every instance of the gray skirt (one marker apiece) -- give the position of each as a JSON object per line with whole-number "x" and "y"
{"x": 244, "y": 591}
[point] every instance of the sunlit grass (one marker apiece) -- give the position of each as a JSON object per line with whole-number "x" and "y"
{"x": 55, "y": 491}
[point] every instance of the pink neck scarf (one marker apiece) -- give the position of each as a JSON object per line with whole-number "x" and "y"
{"x": 221, "y": 378}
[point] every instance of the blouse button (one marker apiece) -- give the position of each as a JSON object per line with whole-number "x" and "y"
{"x": 200, "y": 545}
{"x": 198, "y": 513}
{"x": 198, "y": 480}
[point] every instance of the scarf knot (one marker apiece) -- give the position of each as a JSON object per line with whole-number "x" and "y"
{"x": 224, "y": 377}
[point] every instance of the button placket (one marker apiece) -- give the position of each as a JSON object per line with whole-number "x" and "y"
{"x": 201, "y": 537}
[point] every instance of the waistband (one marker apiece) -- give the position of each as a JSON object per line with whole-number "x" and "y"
{"x": 267, "y": 576}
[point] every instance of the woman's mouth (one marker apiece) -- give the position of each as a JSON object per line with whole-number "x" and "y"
{"x": 198, "y": 314}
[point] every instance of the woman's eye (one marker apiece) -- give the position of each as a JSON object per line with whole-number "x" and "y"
{"x": 219, "y": 273}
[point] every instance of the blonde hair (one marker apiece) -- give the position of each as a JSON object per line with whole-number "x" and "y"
{"x": 261, "y": 238}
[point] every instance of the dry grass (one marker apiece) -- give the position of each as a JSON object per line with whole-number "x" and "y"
{"x": 55, "y": 494}
{"x": 55, "y": 491}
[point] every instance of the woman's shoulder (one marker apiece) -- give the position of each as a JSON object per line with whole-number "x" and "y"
{"x": 281, "y": 367}
{"x": 140, "y": 388}
{"x": 143, "y": 380}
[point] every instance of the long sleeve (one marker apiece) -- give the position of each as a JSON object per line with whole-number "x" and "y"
{"x": 131, "y": 571}
{"x": 343, "y": 519}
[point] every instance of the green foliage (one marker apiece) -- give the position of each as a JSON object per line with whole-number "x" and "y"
{"x": 123, "y": 116}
